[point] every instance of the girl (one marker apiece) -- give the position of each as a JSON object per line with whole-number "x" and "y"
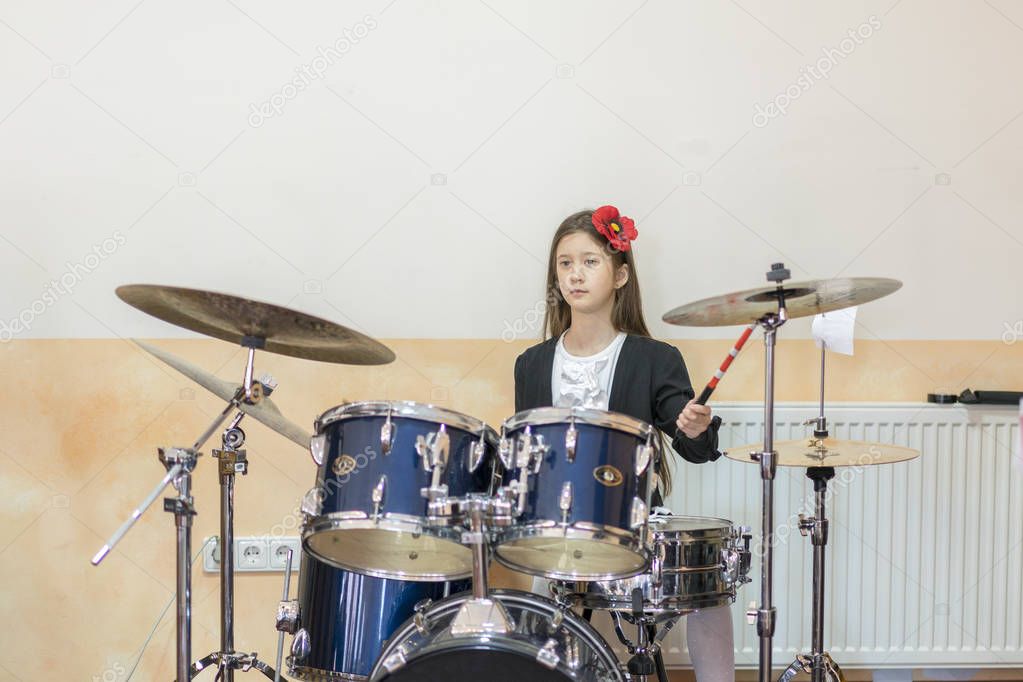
{"x": 599, "y": 354}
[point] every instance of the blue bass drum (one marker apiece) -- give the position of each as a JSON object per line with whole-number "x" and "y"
{"x": 390, "y": 475}
{"x": 545, "y": 643}
{"x": 345, "y": 619}
{"x": 578, "y": 482}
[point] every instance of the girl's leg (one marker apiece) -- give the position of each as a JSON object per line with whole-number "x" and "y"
{"x": 711, "y": 646}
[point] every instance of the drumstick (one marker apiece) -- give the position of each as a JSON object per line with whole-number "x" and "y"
{"x": 713, "y": 383}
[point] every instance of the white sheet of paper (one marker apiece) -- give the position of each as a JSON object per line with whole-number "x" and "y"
{"x": 835, "y": 329}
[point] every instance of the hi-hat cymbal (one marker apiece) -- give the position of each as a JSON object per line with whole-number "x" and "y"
{"x": 827, "y": 452}
{"x": 802, "y": 299}
{"x": 264, "y": 411}
{"x": 238, "y": 320}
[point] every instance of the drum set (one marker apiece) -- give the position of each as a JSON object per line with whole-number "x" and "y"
{"x": 411, "y": 502}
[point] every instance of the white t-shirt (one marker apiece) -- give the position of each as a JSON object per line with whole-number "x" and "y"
{"x": 584, "y": 381}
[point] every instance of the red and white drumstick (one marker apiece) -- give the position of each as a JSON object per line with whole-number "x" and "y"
{"x": 713, "y": 383}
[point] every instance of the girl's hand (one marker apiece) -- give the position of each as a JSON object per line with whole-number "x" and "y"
{"x": 694, "y": 419}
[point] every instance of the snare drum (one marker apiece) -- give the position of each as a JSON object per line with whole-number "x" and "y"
{"x": 344, "y": 619}
{"x": 579, "y": 483}
{"x": 389, "y": 474}
{"x": 697, "y": 563}
{"x": 546, "y": 644}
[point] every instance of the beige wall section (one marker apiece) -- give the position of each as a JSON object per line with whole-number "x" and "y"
{"x": 82, "y": 420}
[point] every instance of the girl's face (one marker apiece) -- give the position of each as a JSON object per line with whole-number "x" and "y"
{"x": 586, "y": 274}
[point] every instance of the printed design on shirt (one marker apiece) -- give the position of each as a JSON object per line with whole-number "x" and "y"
{"x": 608, "y": 475}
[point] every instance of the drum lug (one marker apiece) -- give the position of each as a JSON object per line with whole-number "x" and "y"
{"x": 529, "y": 452}
{"x": 420, "y": 619}
{"x": 523, "y": 449}
{"x": 387, "y": 435}
{"x": 571, "y": 438}
{"x": 730, "y": 565}
{"x": 523, "y": 491}
{"x": 287, "y": 616}
{"x": 300, "y": 646}
{"x": 537, "y": 452}
{"x": 476, "y": 452}
{"x": 639, "y": 514}
{"x": 433, "y": 449}
{"x": 317, "y": 447}
{"x": 395, "y": 661}
{"x": 644, "y": 454}
{"x": 312, "y": 503}
{"x": 379, "y": 491}
{"x": 565, "y": 501}
{"x": 548, "y": 654}
{"x": 504, "y": 450}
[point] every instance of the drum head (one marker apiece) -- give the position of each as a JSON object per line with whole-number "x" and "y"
{"x": 696, "y": 527}
{"x": 472, "y": 665}
{"x": 390, "y": 553}
{"x": 564, "y": 558}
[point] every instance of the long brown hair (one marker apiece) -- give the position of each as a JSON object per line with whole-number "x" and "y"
{"x": 626, "y": 312}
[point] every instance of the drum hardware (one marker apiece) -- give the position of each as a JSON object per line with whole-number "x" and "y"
{"x": 646, "y": 660}
{"x": 819, "y": 664}
{"x": 287, "y": 616}
{"x": 480, "y": 615}
{"x": 387, "y": 434}
{"x": 263, "y": 411}
{"x": 820, "y": 455}
{"x": 180, "y": 462}
{"x": 254, "y": 326}
{"x": 377, "y": 496}
{"x": 770, "y": 307}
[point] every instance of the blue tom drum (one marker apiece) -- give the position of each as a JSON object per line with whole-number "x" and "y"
{"x": 390, "y": 475}
{"x": 578, "y": 482}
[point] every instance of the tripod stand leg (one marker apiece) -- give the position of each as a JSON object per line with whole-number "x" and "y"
{"x": 831, "y": 670}
{"x": 802, "y": 664}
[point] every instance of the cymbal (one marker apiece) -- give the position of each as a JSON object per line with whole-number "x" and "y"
{"x": 827, "y": 452}
{"x": 264, "y": 411}
{"x": 236, "y": 319}
{"x": 802, "y": 299}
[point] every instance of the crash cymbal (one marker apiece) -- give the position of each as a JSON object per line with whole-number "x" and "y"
{"x": 827, "y": 452}
{"x": 802, "y": 299}
{"x": 264, "y": 411}
{"x": 252, "y": 323}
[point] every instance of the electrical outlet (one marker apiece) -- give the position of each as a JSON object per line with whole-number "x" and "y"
{"x": 211, "y": 554}
{"x": 254, "y": 553}
{"x": 279, "y": 553}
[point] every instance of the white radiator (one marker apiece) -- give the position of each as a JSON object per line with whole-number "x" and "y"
{"x": 925, "y": 558}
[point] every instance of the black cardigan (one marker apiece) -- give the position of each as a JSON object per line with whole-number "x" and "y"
{"x": 650, "y": 383}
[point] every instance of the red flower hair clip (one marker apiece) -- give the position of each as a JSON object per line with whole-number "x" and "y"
{"x": 619, "y": 230}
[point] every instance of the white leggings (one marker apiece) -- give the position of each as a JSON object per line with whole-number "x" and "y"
{"x": 711, "y": 647}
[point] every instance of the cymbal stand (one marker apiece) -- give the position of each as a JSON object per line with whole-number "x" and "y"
{"x": 765, "y": 615}
{"x": 819, "y": 664}
{"x": 232, "y": 461}
{"x": 180, "y": 462}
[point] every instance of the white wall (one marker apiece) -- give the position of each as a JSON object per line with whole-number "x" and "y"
{"x": 412, "y": 189}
